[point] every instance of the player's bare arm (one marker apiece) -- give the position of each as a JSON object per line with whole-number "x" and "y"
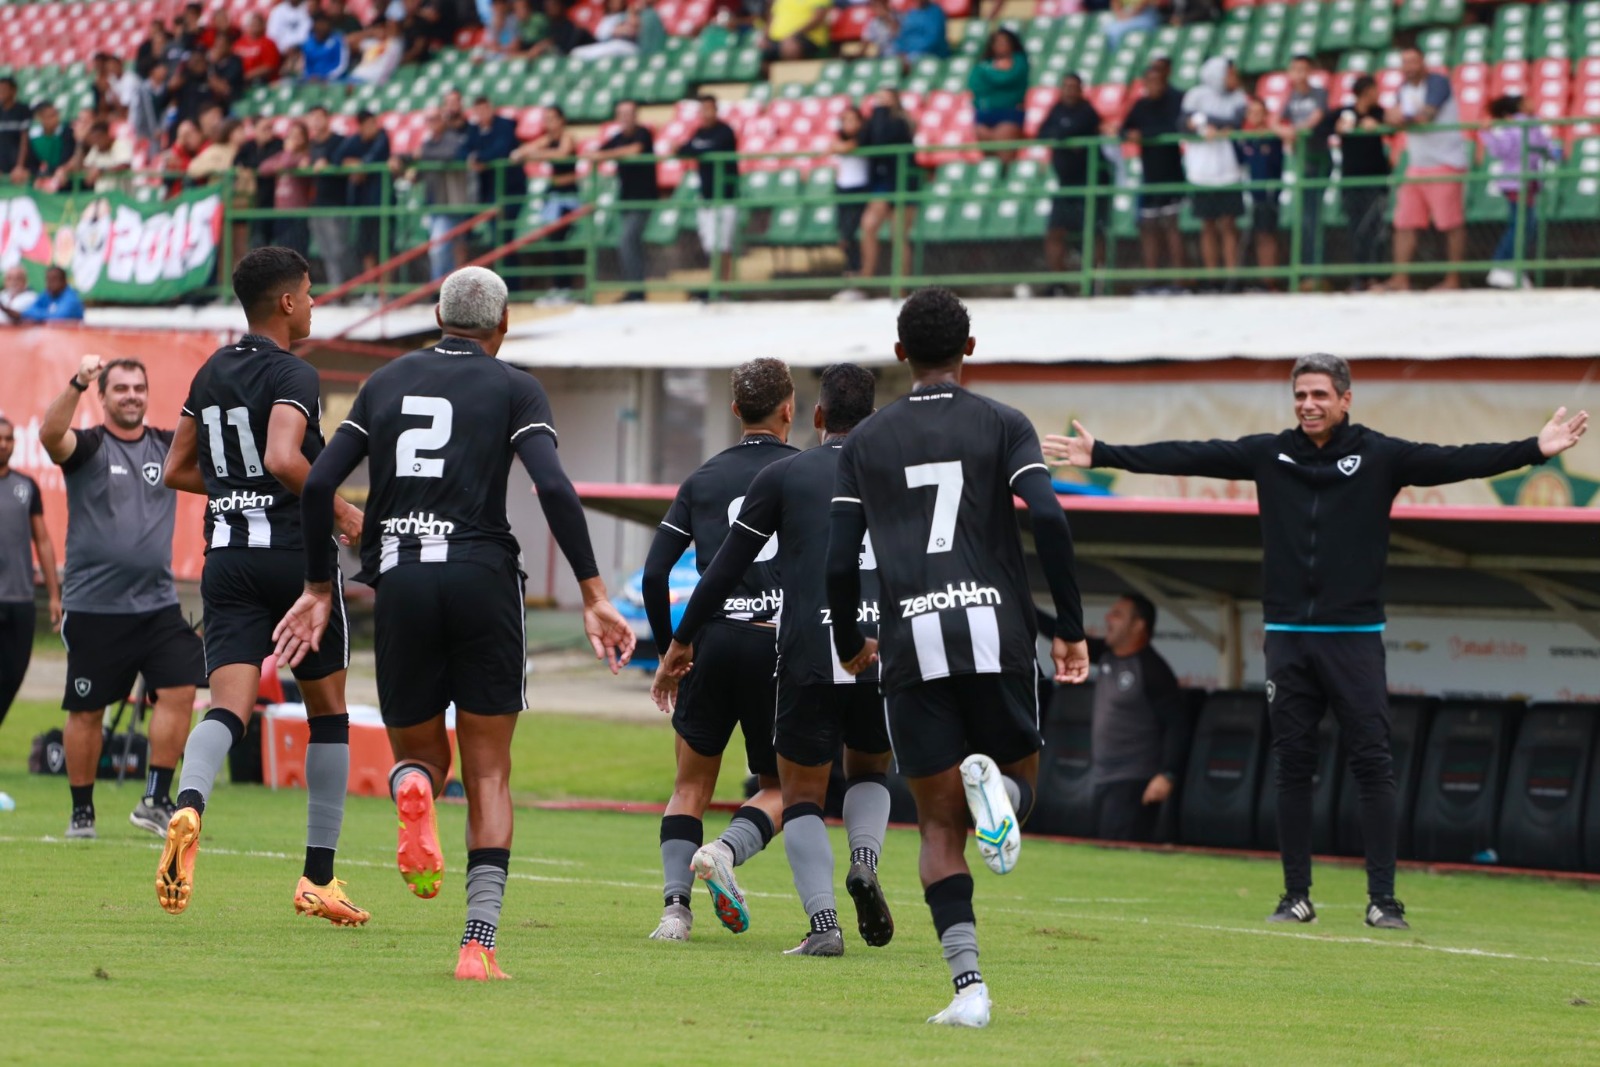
{"x": 286, "y": 432}
{"x": 182, "y": 469}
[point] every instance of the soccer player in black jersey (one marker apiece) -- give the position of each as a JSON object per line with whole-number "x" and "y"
{"x": 249, "y": 432}
{"x": 931, "y": 478}
{"x": 737, "y": 657}
{"x": 438, "y": 428}
{"x": 820, "y": 704}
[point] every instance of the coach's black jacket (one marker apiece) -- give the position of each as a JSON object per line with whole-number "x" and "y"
{"x": 1324, "y": 511}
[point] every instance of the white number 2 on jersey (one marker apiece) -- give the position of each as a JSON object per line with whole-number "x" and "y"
{"x": 947, "y": 481}
{"x": 407, "y": 462}
{"x": 769, "y": 549}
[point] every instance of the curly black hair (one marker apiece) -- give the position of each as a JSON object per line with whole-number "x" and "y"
{"x": 848, "y": 394}
{"x": 265, "y": 274}
{"x": 934, "y": 327}
{"x": 759, "y": 387}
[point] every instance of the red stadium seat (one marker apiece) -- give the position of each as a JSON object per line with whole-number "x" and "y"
{"x": 1040, "y": 99}
{"x": 847, "y": 24}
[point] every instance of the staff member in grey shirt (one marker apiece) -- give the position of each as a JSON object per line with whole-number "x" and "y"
{"x": 1141, "y": 730}
{"x": 21, "y": 525}
{"x": 121, "y": 615}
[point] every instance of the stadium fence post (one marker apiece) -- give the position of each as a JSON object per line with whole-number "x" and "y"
{"x": 1091, "y": 203}
{"x": 387, "y": 205}
{"x": 225, "y": 260}
{"x": 1297, "y": 195}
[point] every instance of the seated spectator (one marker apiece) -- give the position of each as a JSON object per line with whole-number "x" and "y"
{"x": 224, "y": 154}
{"x": 1074, "y": 117}
{"x": 152, "y": 52}
{"x": 16, "y": 296}
{"x": 1140, "y": 730}
{"x": 121, "y": 93}
{"x": 210, "y": 121}
{"x": 796, "y": 29}
{"x": 15, "y": 120}
{"x": 892, "y": 175}
{"x": 1518, "y": 152}
{"x": 1151, "y": 123}
{"x": 1213, "y": 109}
{"x": 651, "y": 36}
{"x": 528, "y": 29}
{"x": 221, "y": 23}
{"x": 1128, "y": 16}
{"x": 1436, "y": 163}
{"x": 381, "y": 53}
{"x": 187, "y": 143}
{"x": 561, "y": 34}
{"x": 58, "y": 303}
{"x": 257, "y": 52}
{"x": 51, "y": 146}
{"x": 344, "y": 23}
{"x": 1262, "y": 158}
{"x": 999, "y": 84}
{"x": 1364, "y": 173}
{"x": 324, "y": 55}
{"x": 616, "y": 35}
{"x": 188, "y": 90}
{"x": 923, "y": 32}
{"x": 291, "y": 191}
{"x": 289, "y": 24}
{"x": 219, "y": 153}
{"x": 107, "y": 161}
{"x": 226, "y": 72}
{"x": 881, "y": 30}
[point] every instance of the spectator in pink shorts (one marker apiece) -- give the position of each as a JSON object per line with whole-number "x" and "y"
{"x": 1519, "y": 152}
{"x": 1426, "y": 99}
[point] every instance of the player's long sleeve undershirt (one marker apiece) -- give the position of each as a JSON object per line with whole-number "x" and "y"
{"x": 563, "y": 511}
{"x": 847, "y": 526}
{"x": 1052, "y": 539}
{"x": 665, "y": 551}
{"x": 336, "y": 463}
{"x": 739, "y": 550}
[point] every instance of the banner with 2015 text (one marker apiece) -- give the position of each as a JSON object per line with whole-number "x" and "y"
{"x": 115, "y": 249}
{"x": 38, "y": 362}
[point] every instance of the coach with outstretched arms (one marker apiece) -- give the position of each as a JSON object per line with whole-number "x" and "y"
{"x": 1325, "y": 489}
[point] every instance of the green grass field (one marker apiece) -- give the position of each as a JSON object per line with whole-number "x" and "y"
{"x": 1093, "y": 956}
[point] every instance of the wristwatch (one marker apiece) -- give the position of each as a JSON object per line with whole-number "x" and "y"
{"x": 79, "y": 386}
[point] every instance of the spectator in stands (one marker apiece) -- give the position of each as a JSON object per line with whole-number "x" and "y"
{"x": 1364, "y": 179}
{"x": 796, "y": 29}
{"x": 896, "y": 180}
{"x": 188, "y": 90}
{"x": 291, "y": 191}
{"x": 500, "y": 30}
{"x": 923, "y": 32}
{"x": 15, "y": 119}
{"x": 368, "y": 147}
{"x": 1214, "y": 109}
{"x": 1436, "y": 166}
{"x": 262, "y": 146}
{"x": 51, "y": 146}
{"x": 1262, "y": 157}
{"x": 324, "y": 56}
{"x": 257, "y": 52}
{"x": 381, "y": 52}
{"x": 190, "y": 29}
{"x": 1519, "y": 152}
{"x": 852, "y": 177}
{"x": 1307, "y": 123}
{"x": 1128, "y": 16}
{"x": 218, "y": 157}
{"x": 1073, "y": 116}
{"x": 289, "y": 24}
{"x": 881, "y": 30}
{"x": 107, "y": 160}
{"x": 187, "y": 143}
{"x": 1140, "y": 730}
{"x": 718, "y": 215}
{"x": 131, "y": 97}
{"x": 343, "y": 22}
{"x": 226, "y": 72}
{"x": 331, "y": 192}
{"x": 150, "y": 60}
{"x": 446, "y": 191}
{"x": 439, "y": 20}
{"x": 529, "y": 30}
{"x": 16, "y": 296}
{"x": 615, "y": 36}
{"x": 491, "y": 139}
{"x": 1158, "y": 116}
{"x": 638, "y": 189}
{"x": 555, "y": 147}
{"x": 999, "y": 84}
{"x": 221, "y": 23}
{"x": 58, "y": 303}
{"x": 562, "y": 36}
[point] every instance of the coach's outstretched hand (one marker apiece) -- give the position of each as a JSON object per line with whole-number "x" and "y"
{"x": 1076, "y": 451}
{"x": 1071, "y": 660}
{"x": 1560, "y": 433}
{"x": 300, "y": 631}
{"x": 609, "y": 635}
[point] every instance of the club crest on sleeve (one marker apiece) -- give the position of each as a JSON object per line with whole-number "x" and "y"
{"x": 1349, "y": 465}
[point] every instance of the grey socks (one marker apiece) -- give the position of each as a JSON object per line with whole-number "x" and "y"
{"x": 327, "y": 779}
{"x": 748, "y": 834}
{"x": 950, "y": 901}
{"x": 486, "y": 890}
{"x": 960, "y": 946}
{"x": 204, "y": 754}
{"x": 805, "y": 841}
{"x": 866, "y": 814}
{"x": 681, "y": 837}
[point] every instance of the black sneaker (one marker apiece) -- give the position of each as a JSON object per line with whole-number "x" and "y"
{"x": 872, "y": 911}
{"x": 1387, "y": 913}
{"x": 1293, "y": 908}
{"x": 82, "y": 824}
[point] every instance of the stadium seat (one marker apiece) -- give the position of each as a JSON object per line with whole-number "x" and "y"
{"x": 1463, "y": 776}
{"x": 1324, "y": 792}
{"x": 1409, "y": 718}
{"x": 1065, "y": 802}
{"x": 1225, "y": 767}
{"x": 1548, "y": 781}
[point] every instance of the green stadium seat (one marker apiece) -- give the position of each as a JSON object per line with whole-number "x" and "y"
{"x": 1473, "y": 45}
{"x": 933, "y": 222}
{"x": 1438, "y": 46}
{"x": 784, "y": 225}
{"x": 820, "y": 225}
{"x": 1375, "y": 28}
{"x": 1579, "y": 198}
{"x": 1414, "y": 14}
{"x": 1268, "y": 31}
{"x": 1338, "y": 30}
{"x": 1003, "y": 220}
{"x": 1483, "y": 204}
{"x": 1447, "y": 12}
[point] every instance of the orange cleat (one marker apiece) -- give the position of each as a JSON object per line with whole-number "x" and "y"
{"x": 175, "y": 875}
{"x": 418, "y": 853}
{"x": 328, "y": 902}
{"x": 476, "y": 964}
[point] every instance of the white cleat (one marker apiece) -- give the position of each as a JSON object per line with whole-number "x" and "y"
{"x": 999, "y": 836}
{"x": 969, "y": 1008}
{"x": 676, "y": 922}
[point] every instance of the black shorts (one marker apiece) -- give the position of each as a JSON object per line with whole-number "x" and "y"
{"x": 1218, "y": 205}
{"x": 812, "y": 720}
{"x": 247, "y": 592}
{"x": 1160, "y": 205}
{"x": 733, "y": 682}
{"x": 1264, "y": 216}
{"x": 1067, "y": 213}
{"x": 450, "y": 632}
{"x": 935, "y": 725}
{"x": 106, "y": 653}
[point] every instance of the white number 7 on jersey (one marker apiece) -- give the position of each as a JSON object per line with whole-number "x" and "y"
{"x": 947, "y": 481}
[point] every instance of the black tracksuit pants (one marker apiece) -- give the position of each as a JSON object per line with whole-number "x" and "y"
{"x": 1308, "y": 674}
{"x": 16, "y": 649}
